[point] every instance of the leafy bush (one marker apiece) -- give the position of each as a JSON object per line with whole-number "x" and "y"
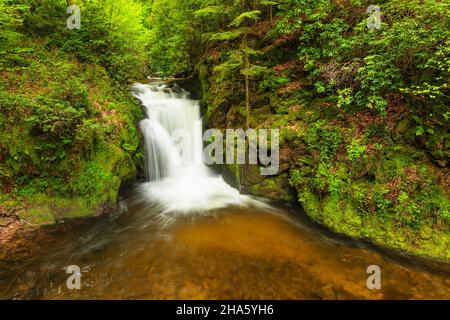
{"x": 112, "y": 33}
{"x": 55, "y": 118}
{"x": 355, "y": 150}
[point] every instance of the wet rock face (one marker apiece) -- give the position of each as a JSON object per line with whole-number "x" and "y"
{"x": 230, "y": 174}
{"x": 275, "y": 188}
{"x": 7, "y": 217}
{"x": 248, "y": 179}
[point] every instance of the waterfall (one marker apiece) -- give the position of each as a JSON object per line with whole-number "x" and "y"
{"x": 178, "y": 180}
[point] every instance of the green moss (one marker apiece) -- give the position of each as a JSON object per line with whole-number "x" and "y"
{"x": 386, "y": 194}
{"x": 363, "y": 163}
{"x": 41, "y": 209}
{"x": 235, "y": 175}
{"x": 275, "y": 188}
{"x": 37, "y": 215}
{"x": 342, "y": 218}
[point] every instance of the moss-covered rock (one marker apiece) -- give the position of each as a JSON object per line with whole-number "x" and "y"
{"x": 356, "y": 178}
{"x": 342, "y": 218}
{"x": 68, "y": 139}
{"x": 275, "y": 188}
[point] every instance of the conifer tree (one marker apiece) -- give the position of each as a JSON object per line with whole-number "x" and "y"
{"x": 240, "y": 58}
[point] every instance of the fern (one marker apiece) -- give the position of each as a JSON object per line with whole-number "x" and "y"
{"x": 249, "y": 15}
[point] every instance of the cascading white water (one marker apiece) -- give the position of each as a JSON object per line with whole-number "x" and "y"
{"x": 179, "y": 181}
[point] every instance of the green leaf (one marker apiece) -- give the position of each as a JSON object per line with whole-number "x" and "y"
{"x": 269, "y": 3}
{"x": 254, "y": 71}
{"x": 420, "y": 131}
{"x": 227, "y": 35}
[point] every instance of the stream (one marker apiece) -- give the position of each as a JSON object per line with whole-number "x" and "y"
{"x": 186, "y": 234}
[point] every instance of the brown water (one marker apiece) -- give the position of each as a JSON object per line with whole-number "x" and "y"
{"x": 227, "y": 254}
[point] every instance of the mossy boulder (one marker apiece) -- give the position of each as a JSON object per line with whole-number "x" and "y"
{"x": 274, "y": 188}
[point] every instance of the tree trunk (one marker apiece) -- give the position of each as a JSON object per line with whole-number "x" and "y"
{"x": 247, "y": 84}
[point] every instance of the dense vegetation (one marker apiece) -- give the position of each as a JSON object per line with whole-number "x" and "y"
{"x": 363, "y": 112}
{"x": 68, "y": 134}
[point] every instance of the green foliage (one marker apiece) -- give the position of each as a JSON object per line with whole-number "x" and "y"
{"x": 356, "y": 150}
{"x": 62, "y": 98}
{"x": 172, "y": 38}
{"x": 362, "y": 109}
{"x": 11, "y": 55}
{"x": 59, "y": 118}
{"x": 244, "y": 17}
{"x": 180, "y": 31}
{"x": 366, "y": 111}
{"x": 92, "y": 180}
{"x": 54, "y": 118}
{"x": 112, "y": 32}
{"x": 409, "y": 54}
